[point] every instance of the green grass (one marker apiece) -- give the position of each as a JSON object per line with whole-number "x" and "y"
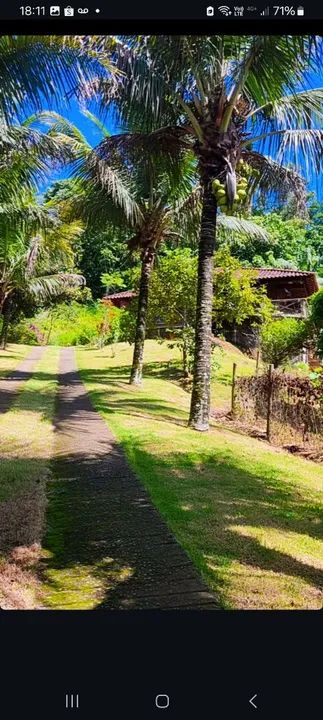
{"x": 250, "y": 516}
{"x": 11, "y": 357}
{"x": 164, "y": 362}
{"x": 222, "y": 377}
{"x": 26, "y": 429}
{"x": 26, "y": 432}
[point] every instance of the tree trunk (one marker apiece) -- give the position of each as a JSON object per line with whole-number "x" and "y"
{"x": 138, "y": 353}
{"x": 6, "y": 313}
{"x": 51, "y": 321}
{"x": 200, "y": 401}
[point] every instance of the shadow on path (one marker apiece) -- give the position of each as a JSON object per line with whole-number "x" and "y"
{"x": 11, "y": 384}
{"x": 107, "y": 546}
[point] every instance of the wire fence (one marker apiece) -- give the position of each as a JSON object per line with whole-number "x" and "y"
{"x": 285, "y": 407}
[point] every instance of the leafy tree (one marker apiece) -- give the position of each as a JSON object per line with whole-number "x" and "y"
{"x": 172, "y": 304}
{"x": 312, "y": 252}
{"x": 283, "y": 339}
{"x": 100, "y": 250}
{"x": 232, "y": 98}
{"x": 26, "y": 226}
{"x": 236, "y": 296}
{"x": 113, "y": 281}
{"x": 316, "y": 310}
{"x": 284, "y": 246}
{"x": 173, "y": 300}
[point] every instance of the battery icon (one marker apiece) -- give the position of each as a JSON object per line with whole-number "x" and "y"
{"x": 300, "y": 10}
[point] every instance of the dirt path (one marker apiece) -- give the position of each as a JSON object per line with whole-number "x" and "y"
{"x": 108, "y": 546}
{"x": 10, "y": 385}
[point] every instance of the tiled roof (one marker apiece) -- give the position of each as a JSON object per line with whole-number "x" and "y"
{"x": 267, "y": 273}
{"x": 121, "y": 295}
{"x": 309, "y": 279}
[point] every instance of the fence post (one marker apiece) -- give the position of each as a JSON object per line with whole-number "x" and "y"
{"x": 233, "y": 390}
{"x": 269, "y": 401}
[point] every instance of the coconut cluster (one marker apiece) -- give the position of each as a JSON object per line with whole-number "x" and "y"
{"x": 245, "y": 172}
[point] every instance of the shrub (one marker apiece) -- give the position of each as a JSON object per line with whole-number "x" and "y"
{"x": 71, "y": 324}
{"x": 24, "y": 333}
{"x": 283, "y": 339}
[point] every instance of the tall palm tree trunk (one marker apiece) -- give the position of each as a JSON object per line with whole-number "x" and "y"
{"x": 138, "y": 353}
{"x": 200, "y": 400}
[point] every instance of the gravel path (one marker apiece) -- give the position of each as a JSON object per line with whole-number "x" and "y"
{"x": 100, "y": 518}
{"x": 10, "y": 385}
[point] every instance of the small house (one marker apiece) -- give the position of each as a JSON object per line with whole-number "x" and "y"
{"x": 120, "y": 299}
{"x": 289, "y": 291}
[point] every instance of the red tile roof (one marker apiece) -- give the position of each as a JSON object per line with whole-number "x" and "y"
{"x": 267, "y": 273}
{"x": 121, "y": 295}
{"x": 309, "y": 278}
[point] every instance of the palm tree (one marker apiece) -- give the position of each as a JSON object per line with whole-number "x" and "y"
{"x": 233, "y": 98}
{"x": 25, "y": 260}
{"x": 26, "y": 226}
{"x": 40, "y": 69}
{"x": 165, "y": 201}
{"x": 158, "y": 185}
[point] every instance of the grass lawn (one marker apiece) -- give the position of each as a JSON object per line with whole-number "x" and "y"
{"x": 249, "y": 515}
{"x": 10, "y": 358}
{"x": 26, "y": 433}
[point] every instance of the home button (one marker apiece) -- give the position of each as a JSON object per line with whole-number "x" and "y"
{"x": 162, "y": 702}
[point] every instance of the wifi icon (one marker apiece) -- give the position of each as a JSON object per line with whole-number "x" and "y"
{"x": 225, "y": 10}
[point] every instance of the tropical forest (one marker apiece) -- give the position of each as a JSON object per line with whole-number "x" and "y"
{"x": 161, "y": 322}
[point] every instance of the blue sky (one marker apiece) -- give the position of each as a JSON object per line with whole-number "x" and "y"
{"x": 73, "y": 113}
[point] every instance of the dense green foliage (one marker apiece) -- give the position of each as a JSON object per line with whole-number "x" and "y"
{"x": 236, "y": 295}
{"x": 172, "y": 303}
{"x": 282, "y": 339}
{"x": 293, "y": 241}
{"x": 70, "y": 324}
{"x": 167, "y": 178}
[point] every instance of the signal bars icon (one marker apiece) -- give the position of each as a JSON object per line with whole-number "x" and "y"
{"x": 266, "y": 11}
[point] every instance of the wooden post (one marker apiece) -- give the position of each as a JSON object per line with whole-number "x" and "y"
{"x": 269, "y": 401}
{"x": 257, "y": 362}
{"x": 233, "y": 390}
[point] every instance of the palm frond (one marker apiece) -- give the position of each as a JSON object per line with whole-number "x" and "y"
{"x": 32, "y": 255}
{"x": 41, "y": 68}
{"x": 234, "y": 224}
{"x": 299, "y": 109}
{"x": 96, "y": 121}
{"x": 274, "y": 177}
{"x": 50, "y": 286}
{"x": 108, "y": 192}
{"x": 279, "y": 64}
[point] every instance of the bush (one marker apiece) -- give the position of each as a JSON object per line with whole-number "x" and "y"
{"x": 283, "y": 339}
{"x": 25, "y": 333}
{"x": 71, "y": 324}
